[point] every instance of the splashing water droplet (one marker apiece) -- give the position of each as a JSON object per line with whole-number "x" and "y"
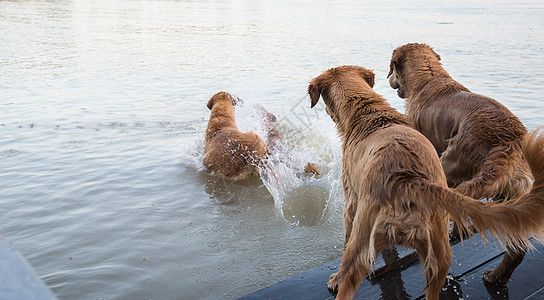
{"x": 300, "y": 198}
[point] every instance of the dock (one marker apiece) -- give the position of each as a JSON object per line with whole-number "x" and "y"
{"x": 18, "y": 280}
{"x": 401, "y": 277}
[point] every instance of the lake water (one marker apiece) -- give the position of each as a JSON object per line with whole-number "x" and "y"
{"x": 103, "y": 112}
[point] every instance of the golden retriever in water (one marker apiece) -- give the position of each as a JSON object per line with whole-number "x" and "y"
{"x": 232, "y": 153}
{"x": 478, "y": 139}
{"x": 395, "y": 189}
{"x": 228, "y": 151}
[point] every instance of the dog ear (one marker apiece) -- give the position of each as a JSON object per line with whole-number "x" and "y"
{"x": 314, "y": 93}
{"x": 396, "y": 60}
{"x": 368, "y": 76}
{"x": 211, "y": 102}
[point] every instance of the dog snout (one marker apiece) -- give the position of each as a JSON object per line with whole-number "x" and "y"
{"x": 393, "y": 81}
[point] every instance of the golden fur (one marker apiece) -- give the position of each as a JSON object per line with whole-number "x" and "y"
{"x": 395, "y": 189}
{"x": 479, "y": 140}
{"x": 228, "y": 151}
{"x": 235, "y": 154}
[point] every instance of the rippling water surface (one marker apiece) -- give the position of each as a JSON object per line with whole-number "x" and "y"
{"x": 103, "y": 112}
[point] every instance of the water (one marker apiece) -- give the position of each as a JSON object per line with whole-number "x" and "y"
{"x": 103, "y": 110}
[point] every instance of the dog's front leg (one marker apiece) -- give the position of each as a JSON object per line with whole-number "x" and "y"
{"x": 350, "y": 208}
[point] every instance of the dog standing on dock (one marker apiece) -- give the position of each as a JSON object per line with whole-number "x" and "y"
{"x": 479, "y": 140}
{"x": 395, "y": 190}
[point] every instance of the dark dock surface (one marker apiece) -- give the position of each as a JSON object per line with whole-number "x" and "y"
{"x": 402, "y": 277}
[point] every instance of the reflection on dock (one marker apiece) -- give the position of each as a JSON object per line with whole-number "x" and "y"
{"x": 401, "y": 277}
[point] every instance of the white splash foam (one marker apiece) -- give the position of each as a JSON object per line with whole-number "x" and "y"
{"x": 308, "y": 135}
{"x": 193, "y": 154}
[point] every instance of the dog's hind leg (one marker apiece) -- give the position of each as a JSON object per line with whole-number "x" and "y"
{"x": 502, "y": 273}
{"x": 350, "y": 210}
{"x": 435, "y": 254}
{"x": 358, "y": 259}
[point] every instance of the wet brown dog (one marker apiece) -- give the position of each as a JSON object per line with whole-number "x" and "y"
{"x": 235, "y": 154}
{"x": 478, "y": 139}
{"x": 395, "y": 189}
{"x": 228, "y": 151}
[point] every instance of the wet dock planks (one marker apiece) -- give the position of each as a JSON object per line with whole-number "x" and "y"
{"x": 401, "y": 277}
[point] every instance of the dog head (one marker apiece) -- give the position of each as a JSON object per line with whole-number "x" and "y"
{"x": 406, "y": 61}
{"x": 223, "y": 97}
{"x": 334, "y": 83}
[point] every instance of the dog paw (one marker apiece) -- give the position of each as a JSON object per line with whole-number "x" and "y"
{"x": 493, "y": 276}
{"x": 312, "y": 169}
{"x": 332, "y": 284}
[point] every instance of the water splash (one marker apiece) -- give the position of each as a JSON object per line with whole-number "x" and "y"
{"x": 193, "y": 154}
{"x": 295, "y": 137}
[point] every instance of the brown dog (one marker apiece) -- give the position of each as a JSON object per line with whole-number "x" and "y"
{"x": 395, "y": 189}
{"x": 228, "y": 151}
{"x": 235, "y": 154}
{"x": 478, "y": 139}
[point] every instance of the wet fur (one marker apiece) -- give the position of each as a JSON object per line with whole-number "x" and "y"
{"x": 478, "y": 139}
{"x": 235, "y": 154}
{"x": 395, "y": 190}
{"x": 228, "y": 151}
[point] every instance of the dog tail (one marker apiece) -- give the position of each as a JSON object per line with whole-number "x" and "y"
{"x": 500, "y": 175}
{"x": 510, "y": 222}
{"x": 533, "y": 151}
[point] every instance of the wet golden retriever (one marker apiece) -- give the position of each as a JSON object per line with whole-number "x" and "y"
{"x": 478, "y": 139}
{"x": 228, "y": 151}
{"x": 395, "y": 189}
{"x": 232, "y": 153}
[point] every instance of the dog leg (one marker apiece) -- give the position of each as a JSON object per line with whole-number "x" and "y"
{"x": 449, "y": 159}
{"x": 349, "y": 214}
{"x": 502, "y": 273}
{"x": 350, "y": 209}
{"x": 353, "y": 267}
{"x": 435, "y": 254}
{"x": 332, "y": 284}
{"x": 435, "y": 284}
{"x": 457, "y": 235}
{"x": 357, "y": 262}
